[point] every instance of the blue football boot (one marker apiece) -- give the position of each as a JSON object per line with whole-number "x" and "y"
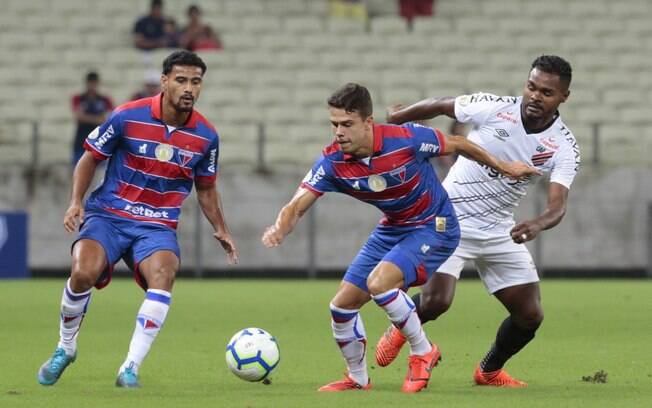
{"x": 127, "y": 379}
{"x": 52, "y": 369}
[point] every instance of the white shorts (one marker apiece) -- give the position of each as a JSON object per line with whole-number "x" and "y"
{"x": 500, "y": 262}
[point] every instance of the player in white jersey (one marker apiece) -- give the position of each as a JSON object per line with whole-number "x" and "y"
{"x": 528, "y": 128}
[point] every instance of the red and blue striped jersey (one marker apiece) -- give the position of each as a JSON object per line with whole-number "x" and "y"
{"x": 152, "y": 166}
{"x": 398, "y": 179}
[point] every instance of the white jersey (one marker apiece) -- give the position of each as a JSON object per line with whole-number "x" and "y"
{"x": 483, "y": 199}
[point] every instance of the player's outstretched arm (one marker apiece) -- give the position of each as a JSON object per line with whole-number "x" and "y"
{"x": 288, "y": 217}
{"x": 551, "y": 216}
{"x": 422, "y": 110}
{"x": 211, "y": 205}
{"x": 81, "y": 180}
{"x": 515, "y": 169}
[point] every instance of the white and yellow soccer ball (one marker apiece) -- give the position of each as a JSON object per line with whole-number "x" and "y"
{"x": 252, "y": 354}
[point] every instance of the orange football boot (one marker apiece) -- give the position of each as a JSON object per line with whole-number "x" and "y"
{"x": 498, "y": 378}
{"x": 347, "y": 384}
{"x": 419, "y": 370}
{"x": 389, "y": 346}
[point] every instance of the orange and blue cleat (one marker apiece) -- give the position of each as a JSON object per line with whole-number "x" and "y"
{"x": 419, "y": 370}
{"x": 498, "y": 378}
{"x": 389, "y": 346}
{"x": 347, "y": 384}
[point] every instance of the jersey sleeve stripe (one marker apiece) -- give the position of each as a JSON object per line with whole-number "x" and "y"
{"x": 206, "y": 180}
{"x": 95, "y": 151}
{"x": 442, "y": 141}
{"x": 312, "y": 189}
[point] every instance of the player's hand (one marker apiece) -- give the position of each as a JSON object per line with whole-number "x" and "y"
{"x": 225, "y": 239}
{"x": 518, "y": 170}
{"x": 74, "y": 217}
{"x": 272, "y": 237}
{"x": 525, "y": 231}
{"x": 390, "y": 112}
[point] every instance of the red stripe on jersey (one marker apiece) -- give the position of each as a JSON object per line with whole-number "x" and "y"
{"x": 188, "y": 141}
{"x": 98, "y": 155}
{"x": 312, "y": 189}
{"x": 391, "y": 192}
{"x": 332, "y": 148}
{"x": 144, "y": 131}
{"x": 417, "y": 208}
{"x": 152, "y": 198}
{"x": 380, "y": 164}
{"x": 169, "y": 223}
{"x": 157, "y": 168}
{"x": 442, "y": 141}
{"x": 395, "y": 131}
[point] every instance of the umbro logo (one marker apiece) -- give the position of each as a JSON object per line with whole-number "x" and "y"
{"x": 501, "y": 134}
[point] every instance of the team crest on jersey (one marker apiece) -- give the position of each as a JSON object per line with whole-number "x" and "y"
{"x": 399, "y": 174}
{"x": 185, "y": 156}
{"x": 164, "y": 152}
{"x": 540, "y": 159}
{"x": 377, "y": 183}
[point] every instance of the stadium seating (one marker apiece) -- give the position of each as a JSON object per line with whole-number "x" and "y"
{"x": 283, "y": 58}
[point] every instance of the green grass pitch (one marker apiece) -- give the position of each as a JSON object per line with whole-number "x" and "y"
{"x": 589, "y": 326}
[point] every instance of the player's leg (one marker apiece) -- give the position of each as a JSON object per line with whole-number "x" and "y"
{"x": 350, "y": 336}
{"x": 509, "y": 273}
{"x": 158, "y": 271}
{"x": 93, "y": 255}
{"x": 435, "y": 298}
{"x": 407, "y": 265}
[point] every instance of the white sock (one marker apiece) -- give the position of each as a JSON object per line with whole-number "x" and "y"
{"x": 402, "y": 313}
{"x": 73, "y": 309}
{"x": 350, "y": 336}
{"x": 151, "y": 317}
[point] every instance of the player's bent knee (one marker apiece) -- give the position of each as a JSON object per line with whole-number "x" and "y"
{"x": 162, "y": 278}
{"x": 83, "y": 275}
{"x": 531, "y": 319}
{"x": 434, "y": 305}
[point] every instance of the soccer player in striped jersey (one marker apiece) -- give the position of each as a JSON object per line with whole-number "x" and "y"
{"x": 527, "y": 128}
{"x": 157, "y": 149}
{"x": 387, "y": 167}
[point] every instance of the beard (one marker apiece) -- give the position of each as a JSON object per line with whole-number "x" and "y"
{"x": 183, "y": 106}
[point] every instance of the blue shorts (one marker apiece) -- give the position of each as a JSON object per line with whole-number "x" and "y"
{"x": 417, "y": 251}
{"x": 133, "y": 241}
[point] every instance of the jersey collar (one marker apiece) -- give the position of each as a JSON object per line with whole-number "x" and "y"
{"x": 377, "y": 141}
{"x": 156, "y": 112}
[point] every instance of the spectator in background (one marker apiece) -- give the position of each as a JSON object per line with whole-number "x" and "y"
{"x": 197, "y": 36}
{"x": 413, "y": 8}
{"x": 149, "y": 30}
{"x": 353, "y": 9}
{"x": 172, "y": 33}
{"x": 151, "y": 86}
{"x": 91, "y": 109}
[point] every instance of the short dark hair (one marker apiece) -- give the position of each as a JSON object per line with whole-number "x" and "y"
{"x": 352, "y": 98}
{"x": 183, "y": 57}
{"x": 92, "y": 76}
{"x": 155, "y": 3}
{"x": 193, "y": 8}
{"x": 553, "y": 64}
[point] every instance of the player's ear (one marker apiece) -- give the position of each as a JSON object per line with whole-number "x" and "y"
{"x": 369, "y": 122}
{"x": 566, "y": 95}
{"x": 164, "y": 83}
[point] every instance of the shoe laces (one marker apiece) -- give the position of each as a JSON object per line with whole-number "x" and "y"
{"x": 59, "y": 360}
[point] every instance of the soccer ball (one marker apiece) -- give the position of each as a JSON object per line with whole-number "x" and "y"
{"x": 252, "y": 354}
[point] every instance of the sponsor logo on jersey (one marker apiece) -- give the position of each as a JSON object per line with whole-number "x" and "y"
{"x": 316, "y": 177}
{"x": 550, "y": 143}
{"x": 185, "y": 156}
{"x": 501, "y": 134}
{"x": 398, "y": 174}
{"x": 429, "y": 148}
{"x": 482, "y": 97}
{"x": 143, "y": 148}
{"x": 212, "y": 160}
{"x": 506, "y": 116}
{"x": 464, "y": 100}
{"x": 145, "y": 212}
{"x": 440, "y": 224}
{"x": 163, "y": 152}
{"x": 94, "y": 134}
{"x": 356, "y": 185}
{"x": 377, "y": 183}
{"x": 425, "y": 248}
{"x": 108, "y": 134}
